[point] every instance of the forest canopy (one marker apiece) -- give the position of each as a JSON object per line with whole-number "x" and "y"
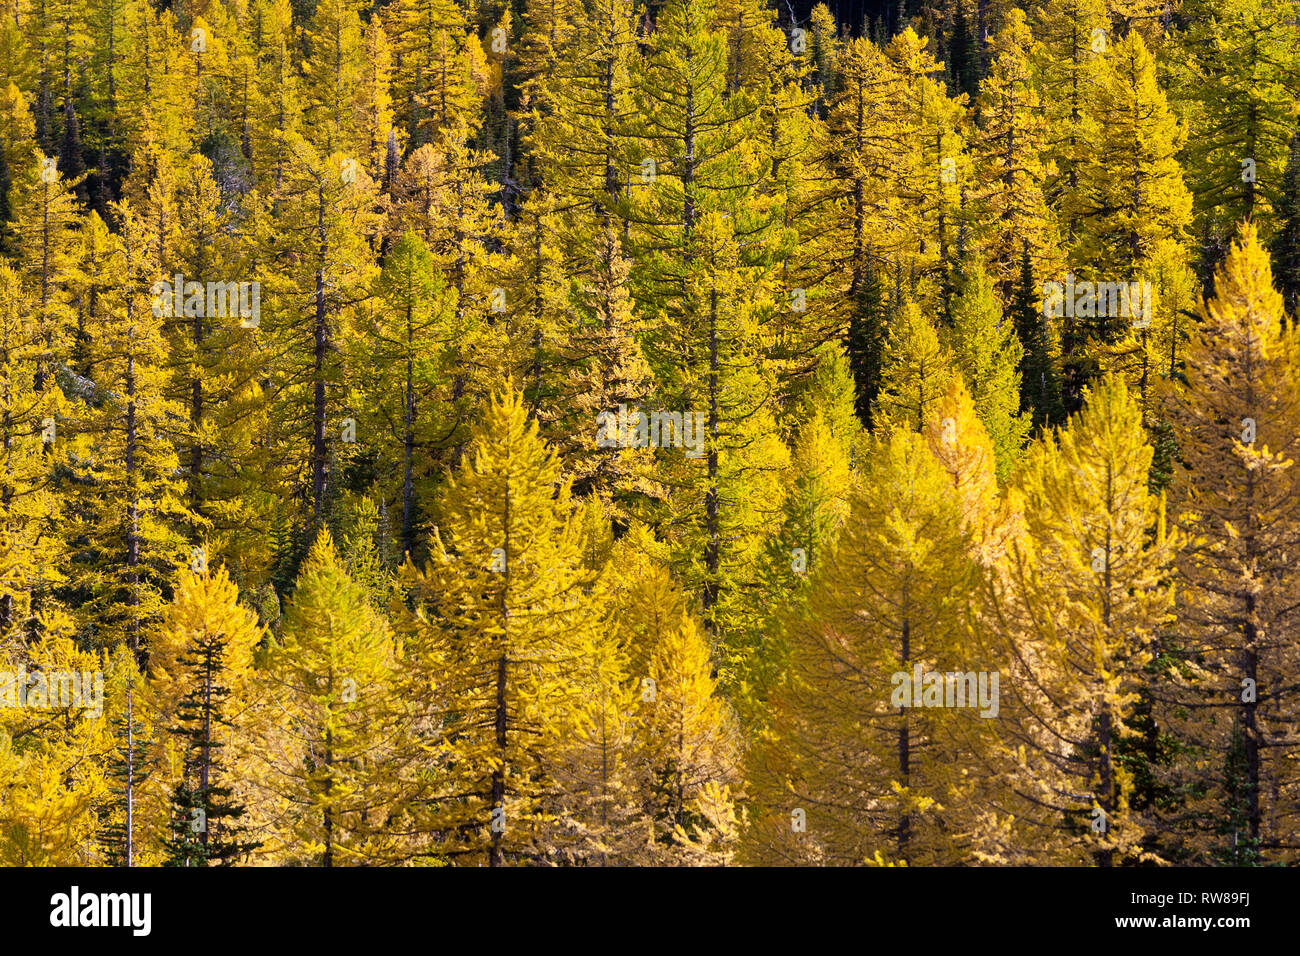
{"x": 649, "y": 432}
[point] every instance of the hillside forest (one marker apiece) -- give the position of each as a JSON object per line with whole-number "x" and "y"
{"x": 649, "y": 432}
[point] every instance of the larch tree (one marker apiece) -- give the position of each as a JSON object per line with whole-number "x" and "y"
{"x": 609, "y": 371}
{"x": 1238, "y": 67}
{"x": 27, "y": 547}
{"x": 508, "y": 621}
{"x": 402, "y": 337}
{"x": 434, "y": 91}
{"x": 315, "y": 269}
{"x": 1075, "y": 35}
{"x": 1009, "y": 165}
{"x": 1079, "y": 612}
{"x": 856, "y": 773}
{"x": 820, "y": 489}
{"x": 277, "y": 96}
{"x": 1131, "y": 192}
{"x": 858, "y": 156}
{"x": 988, "y": 353}
{"x": 130, "y": 525}
{"x": 580, "y": 144}
{"x": 125, "y": 817}
{"x": 703, "y": 266}
{"x": 1237, "y": 423}
{"x": 537, "y": 319}
{"x": 597, "y": 814}
{"x": 961, "y": 443}
{"x": 443, "y": 195}
{"x": 917, "y": 370}
{"x": 686, "y": 752}
{"x": 45, "y": 222}
{"x": 1133, "y": 204}
{"x": 53, "y": 748}
{"x": 372, "y": 105}
{"x": 333, "y": 751}
{"x": 931, "y": 170}
{"x": 335, "y": 51}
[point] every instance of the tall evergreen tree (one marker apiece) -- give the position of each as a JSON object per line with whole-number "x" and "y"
{"x": 1078, "y": 615}
{"x": 202, "y": 652}
{"x": 988, "y": 353}
{"x": 866, "y": 777}
{"x": 508, "y": 622}
{"x": 1286, "y": 241}
{"x": 332, "y": 771}
{"x": 1237, "y": 423}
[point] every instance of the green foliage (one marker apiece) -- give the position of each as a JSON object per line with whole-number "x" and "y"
{"x": 614, "y": 397}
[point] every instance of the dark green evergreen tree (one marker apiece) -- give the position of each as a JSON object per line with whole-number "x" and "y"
{"x": 1237, "y": 847}
{"x": 205, "y": 828}
{"x": 1286, "y": 241}
{"x": 71, "y": 163}
{"x": 1040, "y": 390}
{"x": 963, "y": 55}
{"x": 865, "y": 340}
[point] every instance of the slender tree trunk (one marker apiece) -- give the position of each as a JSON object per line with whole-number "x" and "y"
{"x": 7, "y": 489}
{"x": 319, "y": 463}
{"x": 408, "y": 441}
{"x": 328, "y": 858}
{"x": 905, "y": 745}
{"x": 1105, "y": 730}
{"x": 133, "y": 504}
{"x": 713, "y": 547}
{"x": 130, "y": 775}
{"x": 196, "y": 410}
{"x": 205, "y": 748}
{"x": 496, "y": 854}
{"x": 1250, "y": 726}
{"x": 1106, "y": 779}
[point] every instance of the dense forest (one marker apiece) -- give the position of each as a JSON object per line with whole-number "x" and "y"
{"x": 649, "y": 432}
